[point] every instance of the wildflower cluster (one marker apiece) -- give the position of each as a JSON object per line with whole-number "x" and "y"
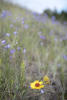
{"x": 40, "y": 84}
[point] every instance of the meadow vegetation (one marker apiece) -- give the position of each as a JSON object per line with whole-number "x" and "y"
{"x": 31, "y": 46}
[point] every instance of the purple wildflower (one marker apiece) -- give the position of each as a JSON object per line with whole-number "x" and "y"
{"x": 8, "y": 34}
{"x": 65, "y": 23}
{"x": 9, "y": 13}
{"x": 63, "y": 38}
{"x": 57, "y": 22}
{"x": 16, "y": 42}
{"x": 26, "y": 26}
{"x": 10, "y": 57}
{"x": 53, "y": 18}
{"x": 3, "y": 41}
{"x": 4, "y": 13}
{"x": 23, "y": 22}
{"x": 42, "y": 37}
{"x": 46, "y": 15}
{"x": 15, "y": 33}
{"x": 12, "y": 51}
{"x": 34, "y": 13}
{"x": 42, "y": 91}
{"x": 18, "y": 48}
{"x": 24, "y": 50}
{"x": 65, "y": 57}
{"x": 55, "y": 39}
{"x": 22, "y": 19}
{"x": 11, "y": 25}
{"x": 7, "y": 46}
{"x": 29, "y": 87}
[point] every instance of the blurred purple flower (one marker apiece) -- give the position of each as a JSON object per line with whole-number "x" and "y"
{"x": 53, "y": 18}
{"x": 18, "y": 48}
{"x": 15, "y": 33}
{"x": 16, "y": 42}
{"x": 65, "y": 23}
{"x": 12, "y": 51}
{"x": 11, "y": 25}
{"x": 42, "y": 91}
{"x": 9, "y": 13}
{"x": 65, "y": 57}
{"x": 4, "y": 13}
{"x": 63, "y": 38}
{"x": 34, "y": 13}
{"x": 8, "y": 34}
{"x": 7, "y": 46}
{"x": 10, "y": 57}
{"x": 26, "y": 26}
{"x": 45, "y": 14}
{"x": 24, "y": 50}
{"x": 29, "y": 86}
{"x": 3, "y": 41}
{"x": 57, "y": 22}
{"x": 22, "y": 22}
{"x": 55, "y": 39}
{"x": 42, "y": 37}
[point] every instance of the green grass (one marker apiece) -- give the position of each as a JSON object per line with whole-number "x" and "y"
{"x": 42, "y": 55}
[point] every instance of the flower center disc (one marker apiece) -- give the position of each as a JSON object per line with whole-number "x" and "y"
{"x": 37, "y": 84}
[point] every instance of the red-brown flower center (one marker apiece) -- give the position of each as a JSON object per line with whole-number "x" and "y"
{"x": 37, "y": 84}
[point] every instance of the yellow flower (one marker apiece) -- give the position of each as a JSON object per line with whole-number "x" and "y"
{"x": 46, "y": 79}
{"x": 37, "y": 85}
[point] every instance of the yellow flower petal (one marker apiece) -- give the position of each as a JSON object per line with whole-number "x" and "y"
{"x": 46, "y": 79}
{"x": 37, "y": 81}
{"x": 41, "y": 82}
{"x": 36, "y": 85}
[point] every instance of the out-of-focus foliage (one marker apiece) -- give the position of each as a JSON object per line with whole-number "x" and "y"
{"x": 59, "y": 16}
